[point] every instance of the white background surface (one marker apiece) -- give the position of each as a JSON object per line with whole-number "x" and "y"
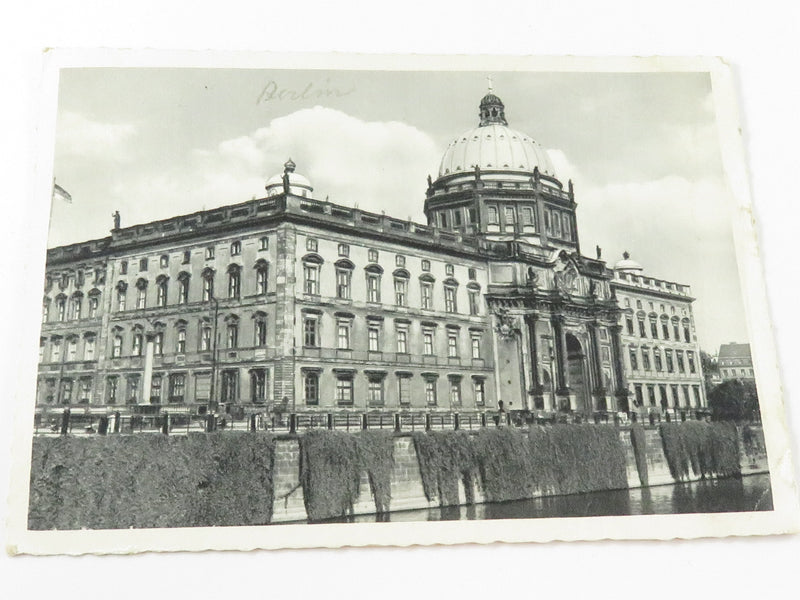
{"x": 759, "y": 40}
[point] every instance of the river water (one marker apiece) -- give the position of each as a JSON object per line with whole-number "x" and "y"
{"x": 749, "y": 493}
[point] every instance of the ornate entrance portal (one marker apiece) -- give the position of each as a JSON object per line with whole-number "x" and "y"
{"x": 578, "y": 376}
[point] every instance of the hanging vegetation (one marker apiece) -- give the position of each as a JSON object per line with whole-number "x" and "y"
{"x": 376, "y": 448}
{"x": 506, "y": 462}
{"x": 639, "y": 443}
{"x": 151, "y": 481}
{"x": 445, "y": 457}
{"x": 708, "y": 449}
{"x": 330, "y": 473}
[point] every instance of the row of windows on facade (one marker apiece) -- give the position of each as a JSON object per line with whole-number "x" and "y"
{"x": 344, "y": 390}
{"x": 375, "y": 335}
{"x": 72, "y": 308}
{"x": 80, "y": 278}
{"x": 667, "y": 391}
{"x": 654, "y": 282}
{"x": 652, "y": 306}
{"x": 556, "y": 223}
{"x": 344, "y": 279}
{"x": 665, "y": 328}
{"x": 209, "y": 254}
{"x": 658, "y": 363}
{"x": 259, "y": 385}
{"x": 735, "y": 373}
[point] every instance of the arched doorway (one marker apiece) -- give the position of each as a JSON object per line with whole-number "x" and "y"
{"x": 578, "y": 379}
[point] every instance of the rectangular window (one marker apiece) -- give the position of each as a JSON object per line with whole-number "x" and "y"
{"x": 123, "y": 267}
{"x": 372, "y": 255}
{"x": 641, "y": 328}
{"x": 161, "y": 294}
{"x": 187, "y": 257}
{"x": 94, "y": 303}
{"x": 311, "y": 276}
{"x": 311, "y": 244}
{"x": 310, "y": 332}
{"x": 687, "y": 334}
{"x": 402, "y": 341}
{"x": 508, "y": 213}
{"x": 143, "y": 264}
{"x": 443, "y": 220}
{"x": 375, "y": 390}
{"x": 180, "y": 344}
{"x": 260, "y": 333}
{"x": 132, "y": 395}
{"x": 343, "y": 284}
{"x": 155, "y": 390}
{"x": 426, "y": 265}
{"x": 400, "y": 292}
{"x": 164, "y": 261}
{"x": 665, "y": 329}
{"x": 629, "y": 325}
{"x": 637, "y": 388}
{"x": 177, "y": 387}
{"x": 473, "y": 215}
{"x": 233, "y": 335}
{"x": 679, "y": 357}
{"x": 258, "y": 385}
{"x": 205, "y": 338}
{"x": 457, "y": 218}
{"x": 344, "y": 390}
{"x": 311, "y": 388}
{"x": 141, "y": 297}
{"x": 426, "y": 289}
{"x": 476, "y": 346}
{"x": 374, "y": 335}
{"x": 262, "y": 280}
{"x": 116, "y": 348}
{"x": 651, "y": 395}
{"x": 230, "y": 385}
{"x": 88, "y": 348}
{"x": 473, "y": 302}
{"x": 404, "y": 389}
{"x": 670, "y": 364}
{"x": 696, "y": 392}
{"x": 452, "y": 344}
{"x": 492, "y": 217}
{"x": 527, "y": 216}
{"x": 111, "y": 390}
{"x": 72, "y": 350}
{"x": 430, "y": 392}
{"x": 567, "y": 228}
{"x": 690, "y": 358}
{"x": 61, "y": 304}
{"x": 234, "y": 284}
{"x": 634, "y": 360}
{"x": 158, "y": 344}
{"x": 209, "y": 252}
{"x": 236, "y": 248}
{"x": 373, "y": 287}
{"x": 136, "y": 346}
{"x": 76, "y": 308}
{"x": 657, "y": 358}
{"x": 344, "y": 250}
{"x": 208, "y": 287}
{"x": 427, "y": 342}
{"x": 455, "y": 391}
{"x": 654, "y": 329}
{"x": 183, "y": 291}
{"x": 263, "y": 243}
{"x": 676, "y": 331}
{"x": 556, "y": 224}
{"x": 479, "y": 388}
{"x": 450, "y": 299}
{"x": 343, "y": 335}
{"x": 645, "y": 359}
{"x": 400, "y": 261}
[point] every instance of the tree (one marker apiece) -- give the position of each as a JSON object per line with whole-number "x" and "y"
{"x": 734, "y": 400}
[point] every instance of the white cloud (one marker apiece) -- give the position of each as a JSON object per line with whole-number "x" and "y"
{"x": 379, "y": 165}
{"x": 81, "y": 136}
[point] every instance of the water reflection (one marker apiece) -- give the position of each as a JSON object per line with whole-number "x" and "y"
{"x": 750, "y": 493}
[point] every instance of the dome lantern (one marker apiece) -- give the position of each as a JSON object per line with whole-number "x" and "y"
{"x": 492, "y": 110}
{"x": 289, "y": 182}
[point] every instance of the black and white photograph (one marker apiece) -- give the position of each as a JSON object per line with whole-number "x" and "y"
{"x": 344, "y": 304}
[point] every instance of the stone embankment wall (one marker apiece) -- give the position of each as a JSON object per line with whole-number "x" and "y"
{"x": 406, "y": 481}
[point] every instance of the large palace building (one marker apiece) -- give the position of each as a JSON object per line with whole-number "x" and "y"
{"x": 294, "y": 302}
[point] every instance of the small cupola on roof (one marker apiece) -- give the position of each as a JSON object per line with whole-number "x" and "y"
{"x": 289, "y": 182}
{"x": 628, "y": 265}
{"x": 492, "y": 110}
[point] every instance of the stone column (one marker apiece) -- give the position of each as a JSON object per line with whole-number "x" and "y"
{"x": 147, "y": 378}
{"x": 598, "y": 388}
{"x": 560, "y": 344}
{"x": 621, "y": 387}
{"x": 538, "y": 400}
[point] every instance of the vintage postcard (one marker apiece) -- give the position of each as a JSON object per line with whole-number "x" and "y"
{"x": 297, "y": 301}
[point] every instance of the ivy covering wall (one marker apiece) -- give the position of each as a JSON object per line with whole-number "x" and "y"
{"x": 704, "y": 449}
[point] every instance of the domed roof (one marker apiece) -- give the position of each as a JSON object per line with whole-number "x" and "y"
{"x": 298, "y": 184}
{"x": 627, "y": 264}
{"x": 494, "y": 146}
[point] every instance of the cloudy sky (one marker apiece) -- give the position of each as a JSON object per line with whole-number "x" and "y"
{"x": 641, "y": 149}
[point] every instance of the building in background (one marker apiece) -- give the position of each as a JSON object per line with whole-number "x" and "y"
{"x": 293, "y": 303}
{"x": 735, "y": 362}
{"x": 661, "y": 351}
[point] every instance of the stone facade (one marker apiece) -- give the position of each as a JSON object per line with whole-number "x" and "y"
{"x": 294, "y": 304}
